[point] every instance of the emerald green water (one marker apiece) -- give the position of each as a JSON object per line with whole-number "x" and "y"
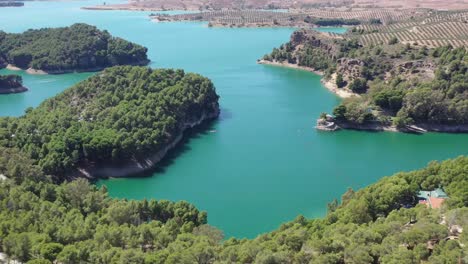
{"x": 265, "y": 163}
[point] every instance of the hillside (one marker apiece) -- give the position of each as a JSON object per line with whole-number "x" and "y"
{"x": 75, "y": 222}
{"x": 79, "y": 47}
{"x": 396, "y": 85}
{"x": 117, "y": 123}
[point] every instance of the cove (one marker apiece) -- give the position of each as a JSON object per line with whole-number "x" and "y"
{"x": 262, "y": 163}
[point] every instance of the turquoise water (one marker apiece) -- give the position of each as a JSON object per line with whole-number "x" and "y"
{"x": 263, "y": 163}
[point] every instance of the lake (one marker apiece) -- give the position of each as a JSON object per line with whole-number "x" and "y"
{"x": 262, "y": 163}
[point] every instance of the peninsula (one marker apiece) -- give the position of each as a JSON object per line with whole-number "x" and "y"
{"x": 77, "y": 48}
{"x": 119, "y": 122}
{"x": 11, "y": 84}
{"x": 405, "y": 76}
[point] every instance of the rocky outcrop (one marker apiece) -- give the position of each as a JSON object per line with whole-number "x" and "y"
{"x": 136, "y": 166}
{"x": 327, "y": 123}
{"x": 7, "y": 90}
{"x": 350, "y": 68}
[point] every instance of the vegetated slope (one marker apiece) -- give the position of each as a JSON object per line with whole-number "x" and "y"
{"x": 11, "y": 84}
{"x": 75, "y": 222}
{"x": 79, "y": 47}
{"x": 399, "y": 84}
{"x": 125, "y": 114}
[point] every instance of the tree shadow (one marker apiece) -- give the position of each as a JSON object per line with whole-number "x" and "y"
{"x": 183, "y": 146}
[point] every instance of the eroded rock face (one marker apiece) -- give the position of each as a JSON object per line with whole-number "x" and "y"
{"x": 350, "y": 68}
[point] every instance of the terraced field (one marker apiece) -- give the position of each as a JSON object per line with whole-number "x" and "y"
{"x": 296, "y": 17}
{"x": 438, "y": 29}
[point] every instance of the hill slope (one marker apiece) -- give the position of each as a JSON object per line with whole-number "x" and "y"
{"x": 80, "y": 47}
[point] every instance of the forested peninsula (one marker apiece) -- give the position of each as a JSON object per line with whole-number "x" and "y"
{"x": 80, "y": 47}
{"x": 393, "y": 86}
{"x": 11, "y": 84}
{"x": 42, "y": 222}
{"x": 119, "y": 122}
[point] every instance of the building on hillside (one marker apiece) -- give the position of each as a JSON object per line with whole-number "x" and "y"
{"x": 432, "y": 199}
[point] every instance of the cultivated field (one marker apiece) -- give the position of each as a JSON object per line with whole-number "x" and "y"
{"x": 437, "y": 29}
{"x": 200, "y": 5}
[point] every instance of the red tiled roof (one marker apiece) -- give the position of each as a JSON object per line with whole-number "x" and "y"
{"x": 436, "y": 202}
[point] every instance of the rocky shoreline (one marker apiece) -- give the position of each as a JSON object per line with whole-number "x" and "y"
{"x": 330, "y": 124}
{"x": 329, "y": 84}
{"x": 134, "y": 167}
{"x": 20, "y": 89}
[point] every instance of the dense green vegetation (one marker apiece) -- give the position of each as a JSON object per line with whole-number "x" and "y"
{"x": 78, "y": 47}
{"x": 124, "y": 113}
{"x": 395, "y": 81}
{"x": 10, "y": 81}
{"x": 75, "y": 222}
{"x": 330, "y": 22}
{"x": 442, "y": 100}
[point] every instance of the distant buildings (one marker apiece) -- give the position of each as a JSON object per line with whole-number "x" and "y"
{"x": 432, "y": 199}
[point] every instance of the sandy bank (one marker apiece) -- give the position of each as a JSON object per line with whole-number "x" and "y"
{"x": 13, "y": 68}
{"x": 329, "y": 84}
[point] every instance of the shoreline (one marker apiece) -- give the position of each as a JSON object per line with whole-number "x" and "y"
{"x": 134, "y": 167}
{"x": 342, "y": 93}
{"x": 43, "y": 72}
{"x": 20, "y": 89}
{"x": 128, "y": 7}
{"x": 413, "y": 129}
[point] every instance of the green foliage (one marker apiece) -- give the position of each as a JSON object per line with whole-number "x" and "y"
{"x": 78, "y": 47}
{"x": 393, "y": 41}
{"x": 76, "y": 222}
{"x": 327, "y": 22}
{"x": 358, "y": 85}
{"x": 340, "y": 112}
{"x": 443, "y": 100}
{"x": 120, "y": 114}
{"x": 340, "y": 82}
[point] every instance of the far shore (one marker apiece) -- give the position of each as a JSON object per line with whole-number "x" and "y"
{"x": 42, "y": 72}
{"x": 130, "y": 8}
{"x": 329, "y": 84}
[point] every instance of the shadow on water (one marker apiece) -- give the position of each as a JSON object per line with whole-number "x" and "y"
{"x": 182, "y": 147}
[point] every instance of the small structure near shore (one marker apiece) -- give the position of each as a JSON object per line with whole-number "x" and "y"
{"x": 432, "y": 199}
{"x": 327, "y": 123}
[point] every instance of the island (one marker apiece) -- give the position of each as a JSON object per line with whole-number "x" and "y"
{"x": 397, "y": 76}
{"x": 77, "y": 48}
{"x": 117, "y": 123}
{"x": 410, "y": 217}
{"x": 11, "y": 84}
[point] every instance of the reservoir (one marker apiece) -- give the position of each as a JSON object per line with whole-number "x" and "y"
{"x": 262, "y": 163}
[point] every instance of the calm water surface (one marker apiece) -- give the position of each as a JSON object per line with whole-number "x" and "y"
{"x": 263, "y": 162}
